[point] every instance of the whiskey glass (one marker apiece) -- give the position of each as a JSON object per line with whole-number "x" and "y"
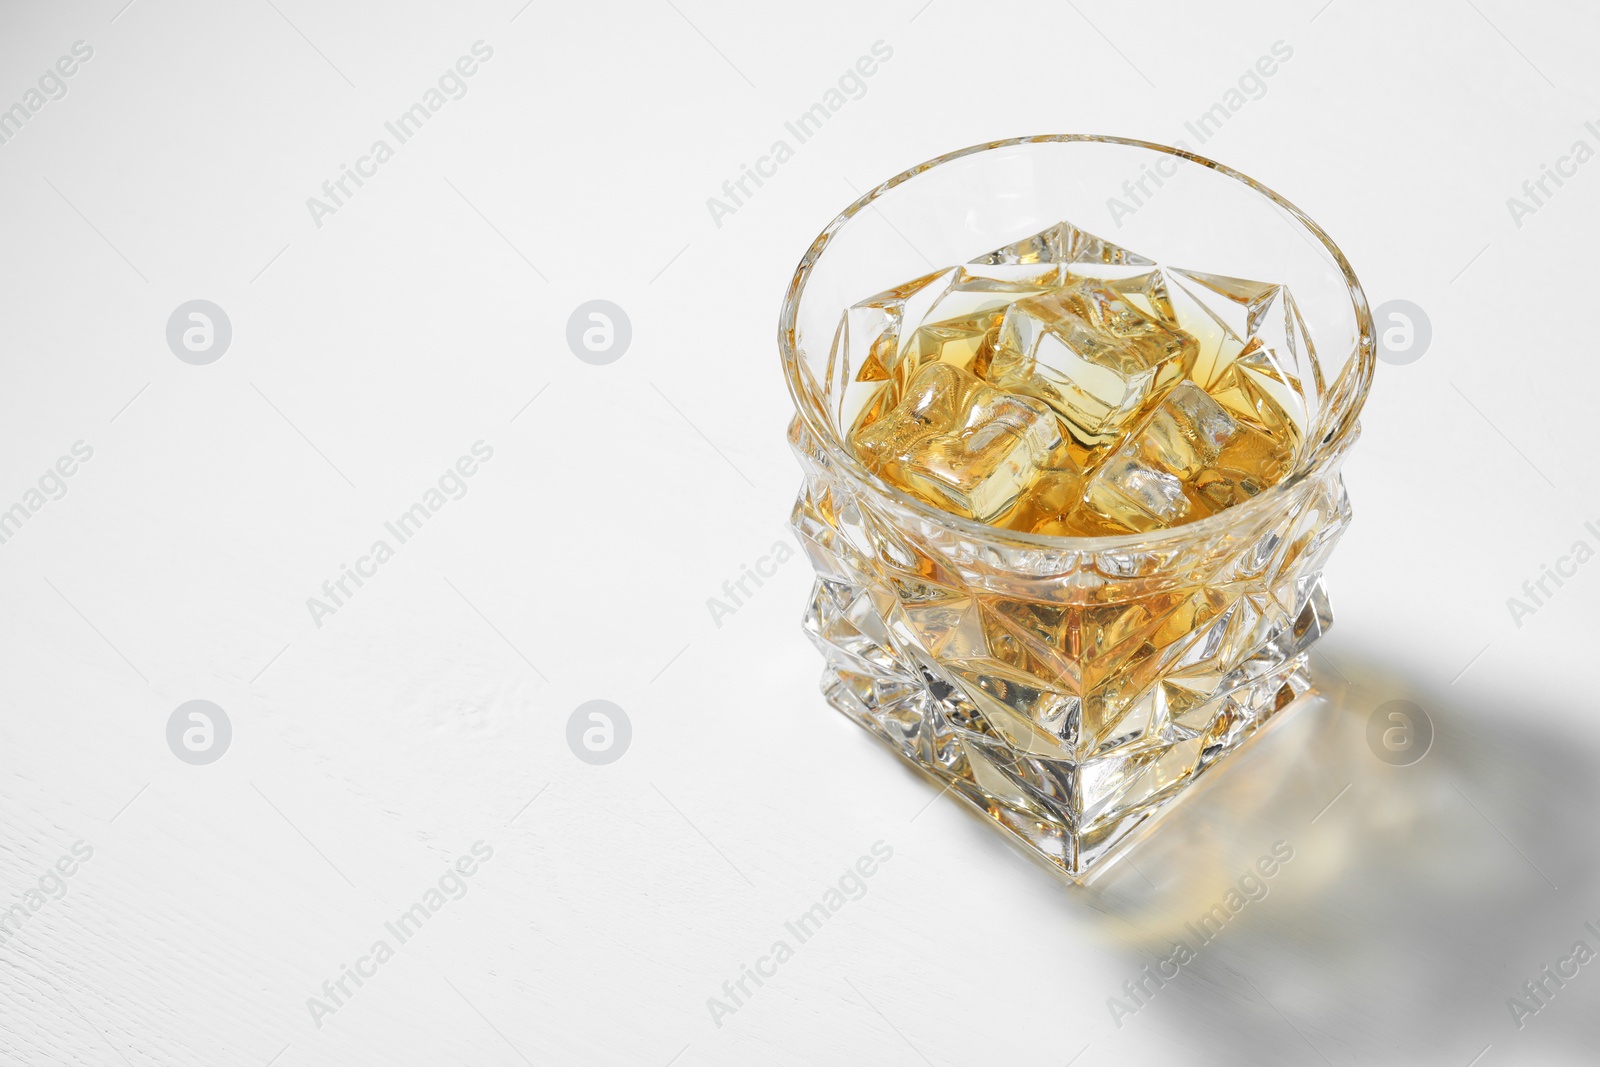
{"x": 1069, "y": 689}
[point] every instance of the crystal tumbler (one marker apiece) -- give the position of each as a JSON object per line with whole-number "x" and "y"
{"x": 1071, "y": 688}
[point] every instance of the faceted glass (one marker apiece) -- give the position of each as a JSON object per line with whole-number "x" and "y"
{"x": 1069, "y": 489}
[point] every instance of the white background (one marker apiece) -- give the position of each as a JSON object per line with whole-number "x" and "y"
{"x": 371, "y": 351}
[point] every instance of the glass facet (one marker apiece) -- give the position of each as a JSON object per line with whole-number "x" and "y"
{"x": 1070, "y": 683}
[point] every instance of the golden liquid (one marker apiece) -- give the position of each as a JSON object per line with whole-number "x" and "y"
{"x": 1063, "y": 385}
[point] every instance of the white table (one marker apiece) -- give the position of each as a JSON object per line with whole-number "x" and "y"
{"x": 376, "y": 339}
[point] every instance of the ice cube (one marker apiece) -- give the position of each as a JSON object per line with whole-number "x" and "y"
{"x": 1190, "y": 458}
{"x": 1187, "y": 432}
{"x": 1094, "y": 357}
{"x": 1048, "y": 504}
{"x": 1172, "y": 393}
{"x": 1129, "y": 492}
{"x": 1257, "y": 388}
{"x": 950, "y": 316}
{"x": 1251, "y": 462}
{"x": 959, "y": 443}
{"x": 1261, "y": 367}
{"x": 961, "y": 326}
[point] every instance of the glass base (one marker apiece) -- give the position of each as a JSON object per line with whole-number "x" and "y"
{"x": 1076, "y": 815}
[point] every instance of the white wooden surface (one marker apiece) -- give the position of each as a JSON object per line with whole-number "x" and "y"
{"x": 429, "y": 712}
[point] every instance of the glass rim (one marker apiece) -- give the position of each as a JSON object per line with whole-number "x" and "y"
{"x": 1331, "y": 445}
